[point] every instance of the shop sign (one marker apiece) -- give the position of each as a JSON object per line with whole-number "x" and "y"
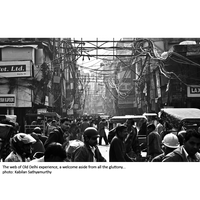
{"x": 193, "y": 91}
{"x": 15, "y": 69}
{"x": 7, "y": 100}
{"x": 41, "y": 110}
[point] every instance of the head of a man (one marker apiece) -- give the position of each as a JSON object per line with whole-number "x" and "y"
{"x": 192, "y": 141}
{"x": 129, "y": 123}
{"x": 90, "y": 136}
{"x": 170, "y": 143}
{"x": 151, "y": 127}
{"x": 121, "y": 131}
{"x": 65, "y": 124}
{"x": 55, "y": 153}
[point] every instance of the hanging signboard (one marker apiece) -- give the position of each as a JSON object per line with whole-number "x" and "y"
{"x": 193, "y": 91}
{"x": 7, "y": 100}
{"x": 15, "y": 68}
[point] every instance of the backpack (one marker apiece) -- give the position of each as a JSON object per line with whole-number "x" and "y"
{"x": 71, "y": 147}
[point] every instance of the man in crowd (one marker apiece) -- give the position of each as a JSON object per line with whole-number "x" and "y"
{"x": 89, "y": 152}
{"x": 102, "y": 133}
{"x": 188, "y": 152}
{"x": 60, "y": 134}
{"x": 21, "y": 148}
{"x": 117, "y": 151}
{"x": 132, "y": 142}
{"x": 170, "y": 143}
{"x": 85, "y": 124}
{"x": 153, "y": 142}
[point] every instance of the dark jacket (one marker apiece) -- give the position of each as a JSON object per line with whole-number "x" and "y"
{"x": 101, "y": 129}
{"x": 154, "y": 144}
{"x": 56, "y": 135}
{"x": 159, "y": 158}
{"x": 132, "y": 142}
{"x": 84, "y": 154}
{"x": 178, "y": 155}
{"x": 117, "y": 151}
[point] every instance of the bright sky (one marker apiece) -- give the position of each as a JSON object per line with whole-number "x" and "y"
{"x": 93, "y": 62}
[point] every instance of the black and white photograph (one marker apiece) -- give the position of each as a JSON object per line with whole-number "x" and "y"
{"x": 126, "y": 100}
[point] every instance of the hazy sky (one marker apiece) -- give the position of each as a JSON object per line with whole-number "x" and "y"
{"x": 93, "y": 62}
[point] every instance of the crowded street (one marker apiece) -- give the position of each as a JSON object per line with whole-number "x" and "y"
{"x": 119, "y": 100}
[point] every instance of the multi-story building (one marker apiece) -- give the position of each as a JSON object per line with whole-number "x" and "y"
{"x": 169, "y": 77}
{"x": 37, "y": 75}
{"x": 25, "y": 76}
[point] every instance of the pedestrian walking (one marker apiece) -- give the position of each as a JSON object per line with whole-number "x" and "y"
{"x": 189, "y": 151}
{"x": 102, "y": 132}
{"x": 170, "y": 143}
{"x": 38, "y": 131}
{"x": 153, "y": 142}
{"x": 21, "y": 148}
{"x": 84, "y": 124}
{"x": 117, "y": 151}
{"x": 89, "y": 152}
{"x": 60, "y": 134}
{"x": 132, "y": 142}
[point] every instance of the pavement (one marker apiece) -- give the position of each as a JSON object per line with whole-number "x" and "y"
{"x": 104, "y": 149}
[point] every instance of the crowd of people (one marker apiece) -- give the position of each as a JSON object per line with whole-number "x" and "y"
{"x": 162, "y": 144}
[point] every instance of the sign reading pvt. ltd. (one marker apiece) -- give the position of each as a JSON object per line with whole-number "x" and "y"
{"x": 15, "y": 68}
{"x": 193, "y": 91}
{"x": 7, "y": 100}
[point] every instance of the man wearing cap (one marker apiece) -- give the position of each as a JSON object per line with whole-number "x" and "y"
{"x": 188, "y": 152}
{"x": 89, "y": 152}
{"x": 170, "y": 143}
{"x": 117, "y": 151}
{"x": 21, "y": 148}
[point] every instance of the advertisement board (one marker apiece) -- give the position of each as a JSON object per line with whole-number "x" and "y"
{"x": 15, "y": 69}
{"x": 7, "y": 100}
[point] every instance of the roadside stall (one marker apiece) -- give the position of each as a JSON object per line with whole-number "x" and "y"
{"x": 181, "y": 118}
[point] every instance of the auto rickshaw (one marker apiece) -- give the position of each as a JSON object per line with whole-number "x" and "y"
{"x": 137, "y": 119}
{"x": 181, "y": 118}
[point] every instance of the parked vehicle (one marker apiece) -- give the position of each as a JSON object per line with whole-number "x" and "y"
{"x": 181, "y": 118}
{"x": 137, "y": 118}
